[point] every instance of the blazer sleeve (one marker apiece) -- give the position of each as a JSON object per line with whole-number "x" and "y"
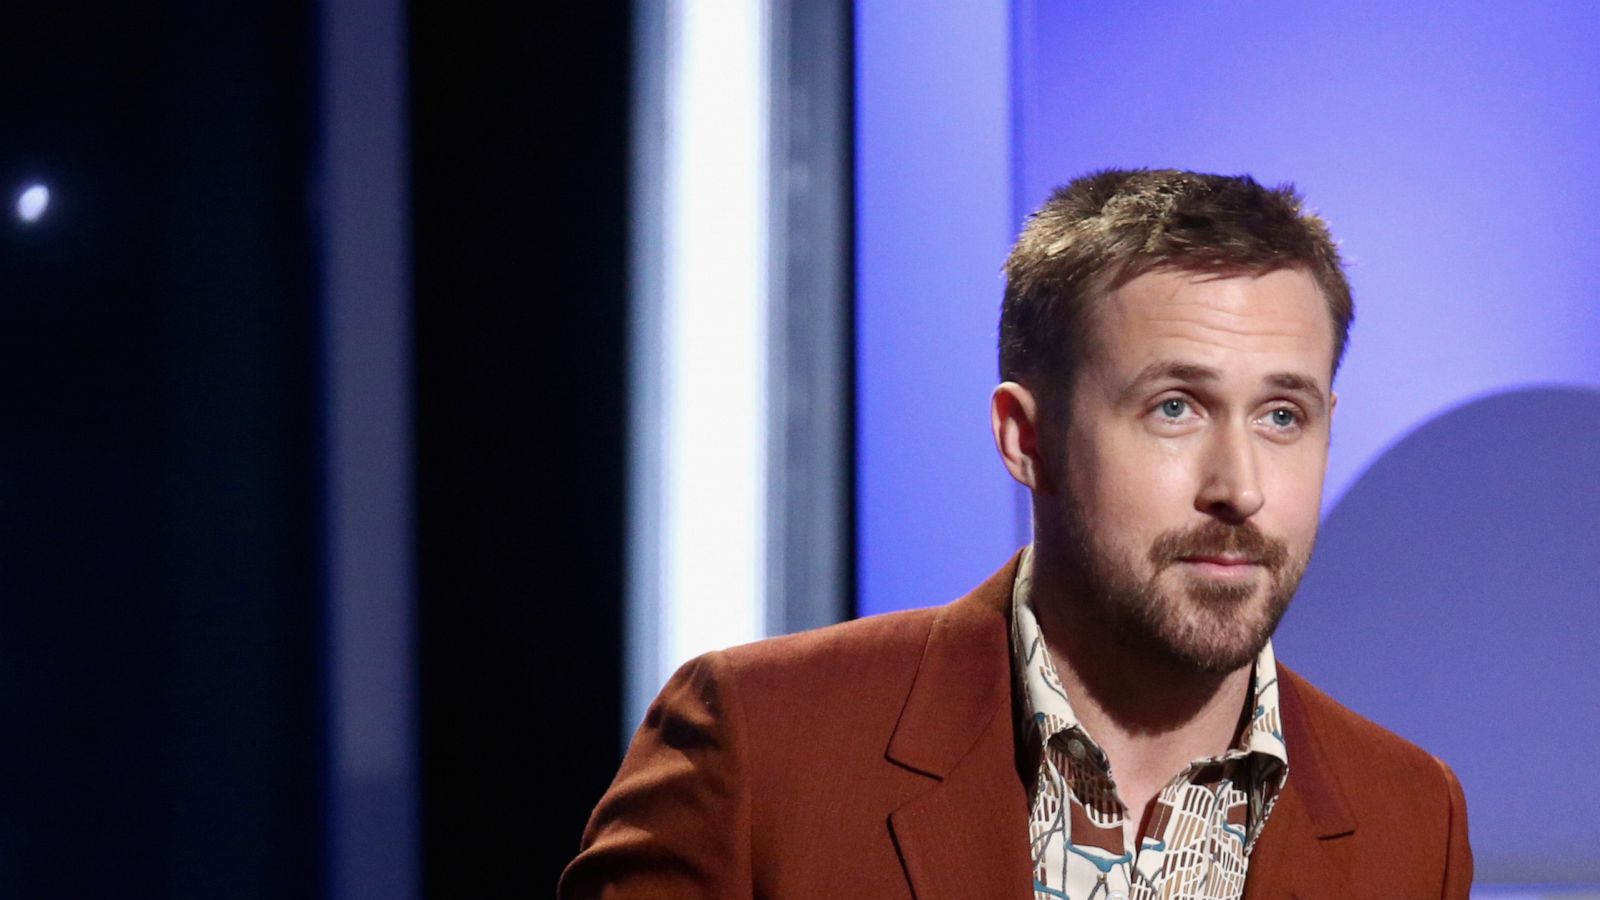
{"x": 676, "y": 820}
{"x": 1458, "y": 858}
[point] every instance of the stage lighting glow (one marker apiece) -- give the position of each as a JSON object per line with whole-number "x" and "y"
{"x": 715, "y": 284}
{"x": 32, "y": 203}
{"x": 700, "y": 571}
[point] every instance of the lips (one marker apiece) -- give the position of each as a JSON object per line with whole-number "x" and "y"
{"x": 1220, "y": 566}
{"x": 1221, "y": 559}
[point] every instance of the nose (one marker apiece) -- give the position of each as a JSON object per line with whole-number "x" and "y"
{"x": 1230, "y": 482}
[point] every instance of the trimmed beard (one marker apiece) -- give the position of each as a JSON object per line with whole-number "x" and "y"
{"x": 1212, "y": 627}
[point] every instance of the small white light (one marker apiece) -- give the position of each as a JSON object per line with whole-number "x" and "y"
{"x": 32, "y": 202}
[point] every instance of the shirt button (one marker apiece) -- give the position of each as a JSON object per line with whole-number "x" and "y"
{"x": 1075, "y": 747}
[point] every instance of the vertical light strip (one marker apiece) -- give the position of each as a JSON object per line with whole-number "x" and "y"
{"x": 714, "y": 304}
{"x": 809, "y": 516}
{"x": 372, "y": 806}
{"x": 701, "y": 583}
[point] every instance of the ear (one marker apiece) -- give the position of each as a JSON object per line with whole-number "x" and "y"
{"x": 1014, "y": 419}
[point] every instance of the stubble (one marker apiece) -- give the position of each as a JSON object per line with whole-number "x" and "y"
{"x": 1197, "y": 624}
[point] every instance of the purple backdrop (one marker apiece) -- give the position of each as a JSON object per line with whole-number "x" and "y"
{"x": 1454, "y": 593}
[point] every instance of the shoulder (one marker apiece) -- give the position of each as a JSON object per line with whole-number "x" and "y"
{"x": 753, "y": 754}
{"x": 859, "y": 642}
{"x": 872, "y": 662}
{"x": 741, "y": 739}
{"x": 860, "y": 661}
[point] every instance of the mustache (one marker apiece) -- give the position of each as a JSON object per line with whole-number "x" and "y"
{"x": 1215, "y": 538}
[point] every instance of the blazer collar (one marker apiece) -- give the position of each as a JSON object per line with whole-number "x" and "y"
{"x": 963, "y": 680}
{"x": 967, "y": 834}
{"x": 1292, "y": 858}
{"x": 956, "y": 728}
{"x": 1311, "y": 772}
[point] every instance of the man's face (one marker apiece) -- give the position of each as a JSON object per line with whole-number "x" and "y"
{"x": 1196, "y": 443}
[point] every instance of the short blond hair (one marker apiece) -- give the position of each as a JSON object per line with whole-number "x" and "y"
{"x": 1108, "y": 227}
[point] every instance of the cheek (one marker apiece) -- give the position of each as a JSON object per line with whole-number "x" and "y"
{"x": 1132, "y": 494}
{"x": 1297, "y": 493}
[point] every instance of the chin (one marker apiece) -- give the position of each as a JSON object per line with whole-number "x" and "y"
{"x": 1208, "y": 628}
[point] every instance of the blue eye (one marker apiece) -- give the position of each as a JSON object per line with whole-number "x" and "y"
{"x": 1283, "y": 417}
{"x": 1174, "y": 407}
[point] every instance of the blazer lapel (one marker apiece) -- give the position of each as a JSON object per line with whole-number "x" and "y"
{"x": 1288, "y": 863}
{"x": 967, "y": 835}
{"x": 1293, "y": 857}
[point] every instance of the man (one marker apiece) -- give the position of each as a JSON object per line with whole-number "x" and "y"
{"x": 1104, "y": 717}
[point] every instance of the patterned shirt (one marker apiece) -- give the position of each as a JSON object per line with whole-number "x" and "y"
{"x": 1205, "y": 821}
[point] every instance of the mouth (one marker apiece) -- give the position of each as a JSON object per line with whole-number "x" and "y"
{"x": 1221, "y": 565}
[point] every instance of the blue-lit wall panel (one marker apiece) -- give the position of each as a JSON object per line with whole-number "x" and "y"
{"x": 1454, "y": 597}
{"x": 933, "y": 177}
{"x": 1451, "y": 146}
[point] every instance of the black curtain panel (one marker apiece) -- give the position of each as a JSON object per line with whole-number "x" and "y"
{"x": 520, "y": 196}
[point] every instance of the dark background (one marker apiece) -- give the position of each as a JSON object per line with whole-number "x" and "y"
{"x": 519, "y": 128}
{"x": 163, "y": 712}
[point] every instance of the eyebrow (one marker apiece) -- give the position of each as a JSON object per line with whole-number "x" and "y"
{"x": 1171, "y": 370}
{"x": 1292, "y": 381}
{"x": 1164, "y": 370}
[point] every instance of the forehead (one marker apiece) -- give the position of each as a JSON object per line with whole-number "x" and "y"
{"x": 1233, "y": 323}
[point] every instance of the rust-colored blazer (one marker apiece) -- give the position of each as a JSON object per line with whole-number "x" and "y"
{"x": 877, "y": 758}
